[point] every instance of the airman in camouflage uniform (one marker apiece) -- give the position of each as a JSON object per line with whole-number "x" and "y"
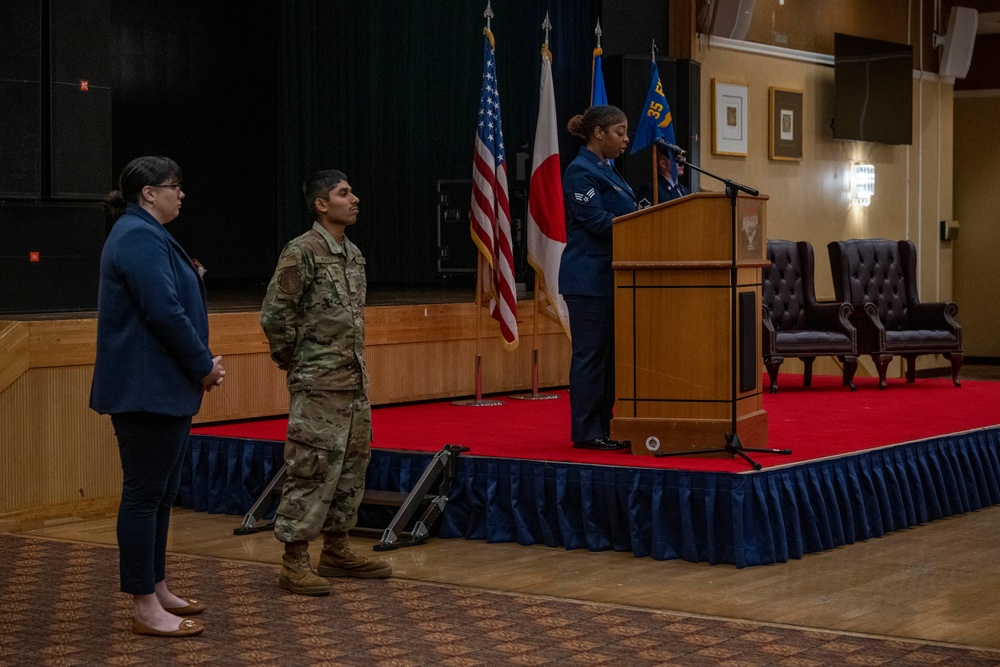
{"x": 313, "y": 316}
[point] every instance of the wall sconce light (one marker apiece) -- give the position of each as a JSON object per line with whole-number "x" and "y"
{"x": 864, "y": 183}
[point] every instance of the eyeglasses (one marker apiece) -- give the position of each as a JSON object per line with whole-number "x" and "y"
{"x": 173, "y": 186}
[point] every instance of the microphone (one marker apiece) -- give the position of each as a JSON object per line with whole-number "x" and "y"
{"x": 676, "y": 152}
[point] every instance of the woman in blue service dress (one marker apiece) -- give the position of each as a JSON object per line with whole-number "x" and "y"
{"x": 595, "y": 194}
{"x": 153, "y": 365}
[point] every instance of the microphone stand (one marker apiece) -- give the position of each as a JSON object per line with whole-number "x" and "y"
{"x": 732, "y": 187}
{"x": 733, "y": 444}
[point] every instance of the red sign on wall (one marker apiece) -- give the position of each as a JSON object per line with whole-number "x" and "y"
{"x": 34, "y": 257}
{"x": 84, "y": 85}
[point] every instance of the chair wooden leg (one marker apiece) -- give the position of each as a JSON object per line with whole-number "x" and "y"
{"x": 807, "y": 375}
{"x": 911, "y": 368}
{"x": 850, "y": 368}
{"x": 956, "y": 359}
{"x": 882, "y": 364}
{"x": 772, "y": 364}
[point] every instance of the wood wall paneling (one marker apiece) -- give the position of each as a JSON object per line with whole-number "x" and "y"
{"x": 55, "y": 451}
{"x": 15, "y": 356}
{"x": 70, "y": 342}
{"x": 254, "y": 387}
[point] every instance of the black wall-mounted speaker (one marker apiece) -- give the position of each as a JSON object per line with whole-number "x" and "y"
{"x": 21, "y": 99}
{"x": 80, "y": 99}
{"x": 50, "y": 255}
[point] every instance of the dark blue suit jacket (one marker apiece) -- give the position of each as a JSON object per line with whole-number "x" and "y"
{"x": 666, "y": 191}
{"x": 595, "y": 194}
{"x": 152, "y": 323}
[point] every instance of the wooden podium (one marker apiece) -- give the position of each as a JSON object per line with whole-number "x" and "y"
{"x": 688, "y": 360}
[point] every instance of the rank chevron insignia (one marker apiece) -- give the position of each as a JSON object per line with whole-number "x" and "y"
{"x": 585, "y": 197}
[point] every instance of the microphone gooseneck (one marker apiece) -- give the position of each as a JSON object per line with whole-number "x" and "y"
{"x": 674, "y": 150}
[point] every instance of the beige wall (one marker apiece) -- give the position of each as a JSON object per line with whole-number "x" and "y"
{"x": 810, "y": 200}
{"x": 977, "y": 209}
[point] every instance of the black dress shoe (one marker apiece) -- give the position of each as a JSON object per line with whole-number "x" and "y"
{"x": 601, "y": 443}
{"x": 622, "y": 444}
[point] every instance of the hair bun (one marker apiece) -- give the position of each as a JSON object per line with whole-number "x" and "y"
{"x": 114, "y": 205}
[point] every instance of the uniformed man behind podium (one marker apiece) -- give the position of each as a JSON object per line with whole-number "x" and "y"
{"x": 667, "y": 186}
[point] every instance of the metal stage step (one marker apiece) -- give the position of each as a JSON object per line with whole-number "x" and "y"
{"x": 438, "y": 475}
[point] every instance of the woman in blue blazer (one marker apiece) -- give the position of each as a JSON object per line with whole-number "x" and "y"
{"x": 595, "y": 193}
{"x": 152, "y": 367}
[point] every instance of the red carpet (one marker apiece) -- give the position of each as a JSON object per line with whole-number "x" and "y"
{"x": 824, "y": 420}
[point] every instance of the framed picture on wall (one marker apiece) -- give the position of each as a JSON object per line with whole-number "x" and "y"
{"x": 729, "y": 118}
{"x": 785, "y": 124}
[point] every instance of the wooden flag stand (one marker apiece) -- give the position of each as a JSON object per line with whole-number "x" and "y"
{"x": 534, "y": 395}
{"x": 479, "y": 401}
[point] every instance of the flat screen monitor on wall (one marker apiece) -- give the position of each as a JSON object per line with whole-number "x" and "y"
{"x": 873, "y": 90}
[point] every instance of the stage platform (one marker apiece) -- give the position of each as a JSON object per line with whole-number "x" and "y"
{"x": 515, "y": 485}
{"x": 863, "y": 464}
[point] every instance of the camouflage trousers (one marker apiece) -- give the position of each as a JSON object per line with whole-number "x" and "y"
{"x": 326, "y": 455}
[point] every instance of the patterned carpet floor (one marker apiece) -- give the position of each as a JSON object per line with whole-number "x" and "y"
{"x": 59, "y": 605}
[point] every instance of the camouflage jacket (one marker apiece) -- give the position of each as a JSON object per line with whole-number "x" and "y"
{"x": 314, "y": 313}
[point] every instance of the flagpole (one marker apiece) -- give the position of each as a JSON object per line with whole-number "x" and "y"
{"x": 654, "y": 152}
{"x": 656, "y": 179}
{"x": 479, "y": 401}
{"x": 597, "y": 51}
{"x": 539, "y": 280}
{"x": 483, "y": 225}
{"x": 534, "y": 395}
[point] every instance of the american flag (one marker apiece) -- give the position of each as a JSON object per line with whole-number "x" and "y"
{"x": 490, "y": 219}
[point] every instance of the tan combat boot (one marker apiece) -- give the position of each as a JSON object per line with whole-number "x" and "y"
{"x": 297, "y": 575}
{"x": 339, "y": 560}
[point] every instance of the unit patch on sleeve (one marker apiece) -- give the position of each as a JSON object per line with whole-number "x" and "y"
{"x": 290, "y": 280}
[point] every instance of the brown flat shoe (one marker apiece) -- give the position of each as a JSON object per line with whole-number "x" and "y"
{"x": 190, "y": 609}
{"x": 188, "y": 628}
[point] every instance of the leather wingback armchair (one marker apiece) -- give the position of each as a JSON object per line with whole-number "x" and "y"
{"x": 795, "y": 324}
{"x": 879, "y": 278}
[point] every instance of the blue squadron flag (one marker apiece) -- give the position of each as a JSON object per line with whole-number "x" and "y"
{"x": 598, "y": 93}
{"x": 656, "y": 120}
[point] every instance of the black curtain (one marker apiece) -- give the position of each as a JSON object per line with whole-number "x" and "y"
{"x": 388, "y": 92}
{"x": 195, "y": 81}
{"x": 250, "y": 97}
